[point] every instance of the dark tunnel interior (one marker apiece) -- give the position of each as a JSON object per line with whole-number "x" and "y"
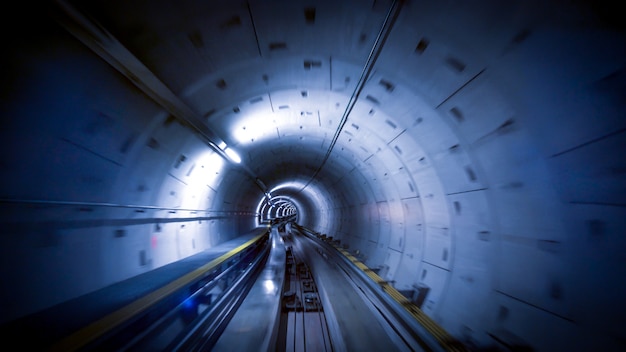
{"x": 476, "y": 147}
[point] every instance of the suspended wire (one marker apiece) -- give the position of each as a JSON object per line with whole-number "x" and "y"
{"x": 381, "y": 38}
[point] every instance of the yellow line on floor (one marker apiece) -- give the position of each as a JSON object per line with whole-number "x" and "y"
{"x": 93, "y": 331}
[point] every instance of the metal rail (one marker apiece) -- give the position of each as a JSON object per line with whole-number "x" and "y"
{"x": 88, "y": 206}
{"x": 304, "y": 323}
{"x": 119, "y": 329}
{"x": 415, "y": 327}
{"x": 206, "y": 328}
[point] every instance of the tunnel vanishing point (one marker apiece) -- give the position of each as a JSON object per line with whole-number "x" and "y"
{"x": 474, "y": 147}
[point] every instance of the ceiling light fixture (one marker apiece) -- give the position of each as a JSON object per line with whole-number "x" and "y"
{"x": 232, "y": 155}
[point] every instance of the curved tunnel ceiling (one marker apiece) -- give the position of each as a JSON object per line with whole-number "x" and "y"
{"x": 474, "y": 148}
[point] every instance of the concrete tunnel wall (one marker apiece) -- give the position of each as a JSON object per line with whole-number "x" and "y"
{"x": 483, "y": 156}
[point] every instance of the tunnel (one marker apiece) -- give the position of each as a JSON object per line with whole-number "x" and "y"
{"x": 475, "y": 148}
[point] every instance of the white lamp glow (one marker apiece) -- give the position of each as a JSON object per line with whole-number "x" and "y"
{"x": 232, "y": 155}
